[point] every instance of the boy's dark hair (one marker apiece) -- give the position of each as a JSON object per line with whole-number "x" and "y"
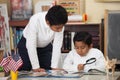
{"x": 57, "y": 15}
{"x": 84, "y": 37}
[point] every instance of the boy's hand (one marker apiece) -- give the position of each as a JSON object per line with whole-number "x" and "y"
{"x": 39, "y": 70}
{"x": 80, "y": 67}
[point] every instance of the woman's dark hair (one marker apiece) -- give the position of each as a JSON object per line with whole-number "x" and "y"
{"x": 84, "y": 37}
{"x": 57, "y": 15}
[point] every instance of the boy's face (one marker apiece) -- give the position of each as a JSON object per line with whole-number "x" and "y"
{"x": 82, "y": 48}
{"x": 57, "y": 28}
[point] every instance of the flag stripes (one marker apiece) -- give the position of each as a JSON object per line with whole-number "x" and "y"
{"x": 12, "y": 62}
{"x": 14, "y": 65}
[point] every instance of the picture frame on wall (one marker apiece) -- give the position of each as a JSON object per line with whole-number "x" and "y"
{"x": 21, "y": 9}
{"x": 72, "y": 6}
{"x": 42, "y": 6}
{"x": 75, "y": 10}
{"x": 4, "y": 30}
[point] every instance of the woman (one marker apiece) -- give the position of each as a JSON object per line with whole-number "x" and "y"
{"x": 40, "y": 46}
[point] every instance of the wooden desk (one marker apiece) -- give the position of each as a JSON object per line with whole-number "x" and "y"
{"x": 84, "y": 77}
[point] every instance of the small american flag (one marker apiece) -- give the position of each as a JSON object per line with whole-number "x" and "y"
{"x": 15, "y": 62}
{"x": 5, "y": 61}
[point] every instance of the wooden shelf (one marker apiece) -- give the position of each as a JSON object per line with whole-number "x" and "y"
{"x": 65, "y": 51}
{"x": 93, "y": 28}
{"x": 76, "y": 27}
{"x": 77, "y": 23}
{"x": 21, "y": 23}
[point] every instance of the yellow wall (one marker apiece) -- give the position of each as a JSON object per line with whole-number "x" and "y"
{"x": 95, "y": 10}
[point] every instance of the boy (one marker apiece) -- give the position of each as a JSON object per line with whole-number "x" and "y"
{"x": 40, "y": 46}
{"x": 83, "y": 51}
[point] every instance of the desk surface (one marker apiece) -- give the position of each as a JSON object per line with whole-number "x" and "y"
{"x": 84, "y": 77}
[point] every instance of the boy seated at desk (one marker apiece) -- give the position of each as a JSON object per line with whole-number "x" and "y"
{"x": 83, "y": 51}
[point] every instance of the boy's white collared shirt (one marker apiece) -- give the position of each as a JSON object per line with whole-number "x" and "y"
{"x": 39, "y": 34}
{"x": 73, "y": 59}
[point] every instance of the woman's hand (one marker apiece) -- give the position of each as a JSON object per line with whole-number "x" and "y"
{"x": 39, "y": 70}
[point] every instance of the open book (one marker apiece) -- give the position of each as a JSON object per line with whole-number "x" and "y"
{"x": 90, "y": 72}
{"x": 95, "y": 72}
{"x": 63, "y": 74}
{"x": 50, "y": 73}
{"x": 60, "y": 73}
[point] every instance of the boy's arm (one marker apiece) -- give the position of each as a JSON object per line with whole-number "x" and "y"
{"x": 69, "y": 64}
{"x": 56, "y": 51}
{"x": 31, "y": 42}
{"x": 100, "y": 63}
